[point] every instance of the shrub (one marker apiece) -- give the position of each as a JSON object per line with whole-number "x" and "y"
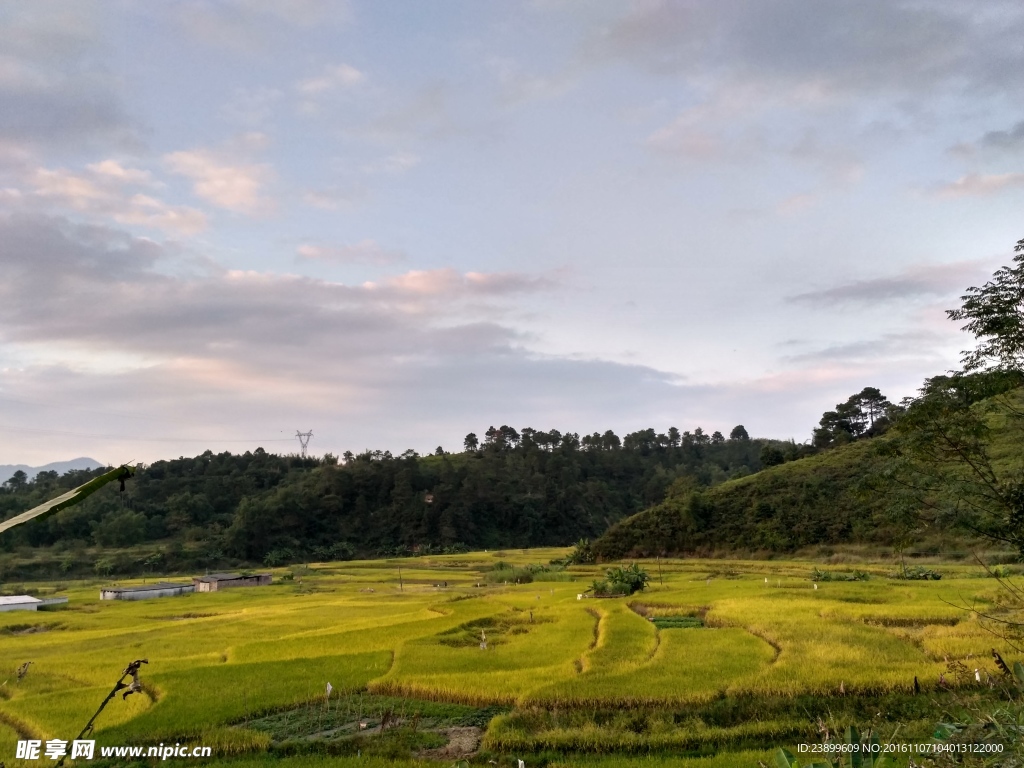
{"x": 582, "y": 554}
{"x": 819, "y": 575}
{"x": 509, "y": 574}
{"x": 918, "y": 573}
{"x": 621, "y": 581}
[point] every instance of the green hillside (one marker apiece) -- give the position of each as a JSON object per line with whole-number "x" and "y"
{"x": 842, "y": 495}
{"x": 816, "y": 500}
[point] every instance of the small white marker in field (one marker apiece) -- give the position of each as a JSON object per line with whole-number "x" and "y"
{"x": 977, "y": 674}
{"x": 521, "y": 764}
{"x": 815, "y": 586}
{"x": 579, "y": 597}
{"x": 765, "y": 579}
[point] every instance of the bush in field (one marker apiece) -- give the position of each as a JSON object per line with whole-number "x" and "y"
{"x": 820, "y": 575}
{"x": 917, "y": 573}
{"x": 621, "y": 581}
{"x": 510, "y": 575}
{"x": 582, "y": 554}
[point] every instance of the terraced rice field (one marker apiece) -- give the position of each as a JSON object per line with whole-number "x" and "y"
{"x": 562, "y": 679}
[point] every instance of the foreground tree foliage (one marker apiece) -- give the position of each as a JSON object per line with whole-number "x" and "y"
{"x": 945, "y": 467}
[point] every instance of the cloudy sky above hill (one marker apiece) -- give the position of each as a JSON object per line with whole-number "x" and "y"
{"x": 396, "y": 223}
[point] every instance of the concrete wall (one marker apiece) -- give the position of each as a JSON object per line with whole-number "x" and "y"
{"x": 143, "y": 594}
{"x": 18, "y": 607}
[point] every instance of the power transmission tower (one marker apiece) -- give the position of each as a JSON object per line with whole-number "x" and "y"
{"x": 304, "y": 440}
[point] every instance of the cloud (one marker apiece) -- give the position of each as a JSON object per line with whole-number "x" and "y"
{"x": 363, "y": 252}
{"x": 795, "y": 204}
{"x": 234, "y": 186}
{"x": 425, "y": 113}
{"x": 924, "y": 280}
{"x": 100, "y": 287}
{"x": 739, "y": 124}
{"x": 251, "y": 106}
{"x": 249, "y": 26}
{"x": 518, "y": 86}
{"x": 889, "y": 347}
{"x": 114, "y": 171}
{"x": 980, "y": 185}
{"x": 819, "y": 50}
{"x": 55, "y": 92}
{"x": 335, "y": 198}
{"x": 332, "y": 77}
{"x": 683, "y": 138}
{"x": 104, "y": 191}
{"x": 96, "y": 310}
{"x": 748, "y": 76}
{"x": 396, "y": 163}
{"x": 199, "y": 359}
{"x": 450, "y": 284}
{"x": 1009, "y": 140}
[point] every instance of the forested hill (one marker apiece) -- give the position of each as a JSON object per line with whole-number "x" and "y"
{"x": 513, "y": 490}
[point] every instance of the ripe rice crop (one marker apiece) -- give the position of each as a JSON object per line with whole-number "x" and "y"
{"x": 219, "y": 660}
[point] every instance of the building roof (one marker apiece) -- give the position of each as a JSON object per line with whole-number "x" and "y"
{"x": 146, "y": 587}
{"x": 18, "y": 599}
{"x": 229, "y": 576}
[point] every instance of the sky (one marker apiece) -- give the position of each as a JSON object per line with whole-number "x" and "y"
{"x": 395, "y": 223}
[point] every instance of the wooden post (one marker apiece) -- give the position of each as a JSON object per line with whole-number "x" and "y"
{"x": 401, "y": 587}
{"x": 660, "y": 577}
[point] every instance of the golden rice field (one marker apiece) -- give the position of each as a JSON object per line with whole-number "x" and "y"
{"x": 560, "y": 676}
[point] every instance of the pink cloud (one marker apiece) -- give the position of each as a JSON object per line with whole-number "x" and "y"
{"x": 980, "y": 185}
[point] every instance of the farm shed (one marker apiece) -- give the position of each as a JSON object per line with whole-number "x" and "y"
{"x": 217, "y": 581}
{"x": 19, "y": 603}
{"x": 145, "y": 591}
{"x": 27, "y": 602}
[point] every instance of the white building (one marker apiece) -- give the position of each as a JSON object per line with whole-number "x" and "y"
{"x": 19, "y": 603}
{"x": 145, "y": 591}
{"x": 27, "y": 602}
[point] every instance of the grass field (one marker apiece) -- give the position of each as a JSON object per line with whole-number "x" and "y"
{"x": 741, "y": 656}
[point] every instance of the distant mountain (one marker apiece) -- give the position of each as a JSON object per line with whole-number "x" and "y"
{"x": 60, "y": 467}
